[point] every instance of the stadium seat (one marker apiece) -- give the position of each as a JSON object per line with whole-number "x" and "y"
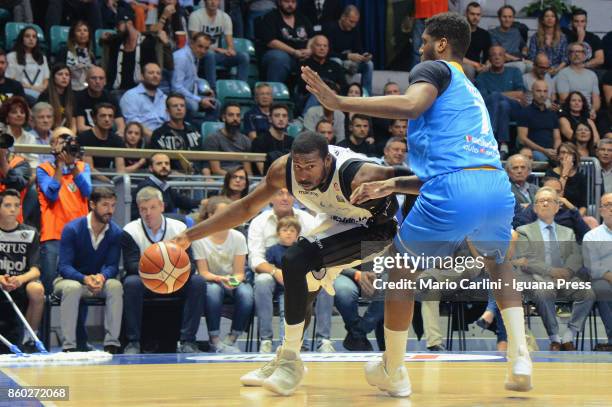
{"x": 97, "y": 45}
{"x": 241, "y": 45}
{"x": 203, "y": 87}
{"x": 12, "y": 29}
{"x": 280, "y": 92}
{"x": 294, "y": 129}
{"x": 232, "y": 90}
{"x": 5, "y": 15}
{"x": 58, "y": 38}
{"x": 209, "y": 128}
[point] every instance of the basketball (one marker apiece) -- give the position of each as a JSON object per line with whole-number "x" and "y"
{"x": 164, "y": 267}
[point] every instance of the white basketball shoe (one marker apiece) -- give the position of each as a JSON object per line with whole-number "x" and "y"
{"x": 288, "y": 375}
{"x": 518, "y": 377}
{"x": 257, "y": 376}
{"x": 396, "y": 384}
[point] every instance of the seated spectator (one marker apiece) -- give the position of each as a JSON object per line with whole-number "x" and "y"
{"x": 138, "y": 235}
{"x": 574, "y": 110}
{"x": 42, "y": 123}
{"x": 21, "y": 249}
{"x": 235, "y": 183}
{"x": 79, "y": 54}
{"x": 64, "y": 185}
{"x": 169, "y": 16}
{"x": 395, "y": 152}
{"x": 538, "y": 127}
{"x": 549, "y": 39}
{"x": 59, "y": 95}
{"x": 347, "y": 48}
{"x": 553, "y": 254}
{"x": 146, "y": 103}
{"x": 185, "y": 75}
{"x": 320, "y": 13}
{"x": 477, "y": 54}
{"x": 95, "y": 93}
{"x": 518, "y": 168}
{"x": 15, "y": 113}
{"x": 221, "y": 259}
{"x": 510, "y": 39}
{"x": 285, "y": 39}
{"x": 257, "y": 119}
{"x": 541, "y": 65}
{"x": 72, "y": 10}
{"x": 604, "y": 122}
{"x": 604, "y": 155}
{"x": 577, "y": 78}
{"x": 134, "y": 138}
{"x": 8, "y": 87}
{"x": 504, "y": 94}
{"x": 16, "y": 174}
{"x": 584, "y": 138}
{"x": 89, "y": 254}
{"x": 177, "y": 134}
{"x": 358, "y": 140}
{"x": 274, "y": 142}
{"x": 216, "y": 24}
{"x": 313, "y": 115}
{"x": 326, "y": 128}
{"x": 399, "y": 128}
{"x": 128, "y": 52}
{"x": 228, "y": 139}
{"x": 327, "y": 69}
{"x": 158, "y": 179}
{"x": 573, "y": 183}
{"x": 101, "y": 136}
{"x": 597, "y": 258}
{"x": 578, "y": 33}
{"x": 27, "y": 64}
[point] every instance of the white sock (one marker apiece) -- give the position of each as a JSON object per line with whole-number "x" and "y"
{"x": 293, "y": 337}
{"x": 395, "y": 342}
{"x": 569, "y": 335}
{"x": 514, "y": 320}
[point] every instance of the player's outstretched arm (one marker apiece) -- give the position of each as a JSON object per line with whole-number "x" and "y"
{"x": 417, "y": 99}
{"x": 379, "y": 189}
{"x": 241, "y": 210}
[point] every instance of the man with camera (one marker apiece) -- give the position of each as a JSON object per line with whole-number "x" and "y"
{"x": 63, "y": 188}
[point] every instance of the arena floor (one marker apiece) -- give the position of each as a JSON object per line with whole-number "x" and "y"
{"x": 453, "y": 379}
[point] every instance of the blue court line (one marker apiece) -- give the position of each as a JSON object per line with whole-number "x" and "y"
{"x": 6, "y": 383}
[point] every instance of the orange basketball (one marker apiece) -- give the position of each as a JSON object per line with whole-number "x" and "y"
{"x": 164, "y": 267}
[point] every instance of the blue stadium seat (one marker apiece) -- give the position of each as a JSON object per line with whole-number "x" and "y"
{"x": 280, "y": 92}
{"x": 58, "y": 38}
{"x": 97, "y": 45}
{"x": 294, "y": 129}
{"x": 233, "y": 90}
{"x": 12, "y": 30}
{"x": 241, "y": 45}
{"x": 209, "y": 128}
{"x": 203, "y": 87}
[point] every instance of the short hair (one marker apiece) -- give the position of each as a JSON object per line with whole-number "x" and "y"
{"x": 309, "y": 142}
{"x": 174, "y": 95}
{"x": 472, "y": 4}
{"x": 99, "y": 193}
{"x": 549, "y": 178}
{"x": 454, "y": 28}
{"x": 262, "y": 85}
{"x": 227, "y": 106}
{"x": 143, "y": 67}
{"x": 546, "y": 189}
{"x": 323, "y": 120}
{"x": 359, "y": 116}
{"x": 102, "y": 105}
{"x": 351, "y": 8}
{"x": 196, "y": 36}
{"x": 573, "y": 44}
{"x": 579, "y": 12}
{"x": 9, "y": 192}
{"x": 289, "y": 222}
{"x": 389, "y": 84}
{"x": 604, "y": 141}
{"x": 40, "y": 106}
{"x": 505, "y": 6}
{"x": 277, "y": 106}
{"x": 214, "y": 202}
{"x": 394, "y": 140}
{"x": 516, "y": 157}
{"x": 14, "y": 101}
{"x": 155, "y": 155}
{"x": 148, "y": 193}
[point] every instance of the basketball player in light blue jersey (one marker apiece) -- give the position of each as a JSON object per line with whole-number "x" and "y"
{"x": 464, "y": 194}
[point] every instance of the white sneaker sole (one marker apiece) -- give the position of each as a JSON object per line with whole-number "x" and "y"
{"x": 403, "y": 392}
{"x": 520, "y": 379}
{"x": 251, "y": 381}
{"x": 275, "y": 388}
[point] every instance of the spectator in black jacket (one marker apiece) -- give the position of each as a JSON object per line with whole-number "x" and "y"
{"x": 320, "y": 12}
{"x": 160, "y": 169}
{"x": 274, "y": 142}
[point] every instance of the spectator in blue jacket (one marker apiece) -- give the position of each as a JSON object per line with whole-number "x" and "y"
{"x": 90, "y": 248}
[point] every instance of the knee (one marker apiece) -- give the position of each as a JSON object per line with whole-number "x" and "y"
{"x": 264, "y": 282}
{"x": 70, "y": 287}
{"x": 346, "y": 289}
{"x": 36, "y": 292}
{"x": 245, "y": 293}
{"x": 602, "y": 288}
{"x": 214, "y": 290}
{"x": 243, "y": 58}
{"x": 210, "y": 57}
{"x": 133, "y": 284}
{"x": 114, "y": 286}
{"x": 278, "y": 57}
{"x": 197, "y": 283}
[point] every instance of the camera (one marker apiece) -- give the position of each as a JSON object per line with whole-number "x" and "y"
{"x": 71, "y": 145}
{"x": 6, "y": 140}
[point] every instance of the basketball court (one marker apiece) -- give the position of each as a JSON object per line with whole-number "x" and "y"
{"x": 452, "y": 379}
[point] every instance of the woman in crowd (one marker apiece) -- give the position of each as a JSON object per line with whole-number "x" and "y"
{"x": 221, "y": 259}
{"x": 27, "y": 64}
{"x": 573, "y": 183}
{"x": 584, "y": 139}
{"x": 134, "y": 138}
{"x": 59, "y": 94}
{"x": 549, "y": 40}
{"x": 79, "y": 55}
{"x": 15, "y": 114}
{"x": 235, "y": 183}
{"x": 575, "y": 110}
{"x": 169, "y": 17}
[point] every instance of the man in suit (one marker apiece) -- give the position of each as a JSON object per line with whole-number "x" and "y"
{"x": 553, "y": 257}
{"x": 518, "y": 168}
{"x": 321, "y": 11}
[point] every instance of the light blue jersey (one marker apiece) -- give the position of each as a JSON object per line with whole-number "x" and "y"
{"x": 454, "y": 133}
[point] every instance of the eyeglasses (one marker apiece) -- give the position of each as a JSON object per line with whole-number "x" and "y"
{"x": 547, "y": 201}
{"x": 576, "y": 51}
{"x": 239, "y": 177}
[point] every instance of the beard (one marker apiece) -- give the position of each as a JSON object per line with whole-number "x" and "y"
{"x": 162, "y": 175}
{"x": 102, "y": 218}
{"x": 232, "y": 129}
{"x": 279, "y": 129}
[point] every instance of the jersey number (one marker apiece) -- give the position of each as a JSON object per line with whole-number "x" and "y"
{"x": 485, "y": 117}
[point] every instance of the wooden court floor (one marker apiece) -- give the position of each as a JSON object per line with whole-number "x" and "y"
{"x": 338, "y": 384}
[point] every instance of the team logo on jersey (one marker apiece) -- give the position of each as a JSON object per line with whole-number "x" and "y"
{"x": 319, "y": 274}
{"x": 340, "y": 199}
{"x": 72, "y": 187}
{"x": 336, "y": 187}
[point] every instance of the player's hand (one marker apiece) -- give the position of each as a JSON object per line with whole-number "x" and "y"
{"x": 372, "y": 190}
{"x": 366, "y": 283}
{"x": 316, "y": 86}
{"x": 182, "y": 241}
